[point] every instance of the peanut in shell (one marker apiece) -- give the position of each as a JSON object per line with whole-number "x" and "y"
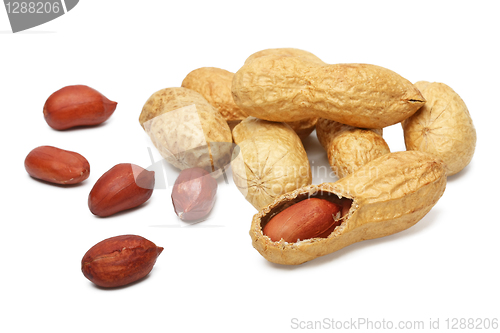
{"x": 187, "y": 131}
{"x": 286, "y": 88}
{"x": 388, "y": 194}
{"x": 286, "y": 52}
{"x": 270, "y": 160}
{"x": 442, "y": 127}
{"x": 303, "y": 127}
{"x": 349, "y": 148}
{"x": 214, "y": 84}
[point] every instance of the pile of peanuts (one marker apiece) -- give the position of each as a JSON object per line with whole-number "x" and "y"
{"x": 254, "y": 121}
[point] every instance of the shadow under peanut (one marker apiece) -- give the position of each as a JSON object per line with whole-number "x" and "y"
{"x": 426, "y": 221}
{"x": 123, "y": 212}
{"x": 191, "y": 224}
{"x": 462, "y": 173}
{"x": 130, "y": 285}
{"x": 82, "y": 183}
{"x": 82, "y": 127}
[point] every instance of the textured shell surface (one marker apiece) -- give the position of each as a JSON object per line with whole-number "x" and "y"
{"x": 186, "y": 129}
{"x": 348, "y": 148}
{"x": 214, "y": 84}
{"x": 303, "y": 127}
{"x": 389, "y": 194}
{"x": 169, "y": 99}
{"x": 271, "y": 160}
{"x": 354, "y": 148}
{"x": 327, "y": 130}
{"x": 280, "y": 88}
{"x": 443, "y": 127}
{"x": 285, "y": 52}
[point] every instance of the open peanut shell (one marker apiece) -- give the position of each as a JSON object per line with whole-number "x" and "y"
{"x": 387, "y": 195}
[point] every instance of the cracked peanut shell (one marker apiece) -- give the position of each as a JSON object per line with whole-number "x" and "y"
{"x": 388, "y": 195}
{"x": 270, "y": 161}
{"x": 442, "y": 127}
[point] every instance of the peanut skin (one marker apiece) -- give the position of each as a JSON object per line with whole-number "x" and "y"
{"x": 77, "y": 105}
{"x": 120, "y": 260}
{"x": 193, "y": 194}
{"x": 122, "y": 187}
{"x": 56, "y": 165}
{"x": 307, "y": 219}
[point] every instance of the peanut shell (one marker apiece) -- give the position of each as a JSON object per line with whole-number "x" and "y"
{"x": 349, "y": 148}
{"x": 187, "y": 131}
{"x": 287, "y": 88}
{"x": 214, "y": 84}
{"x": 270, "y": 161}
{"x": 389, "y": 194}
{"x": 286, "y": 52}
{"x": 442, "y": 127}
{"x": 303, "y": 127}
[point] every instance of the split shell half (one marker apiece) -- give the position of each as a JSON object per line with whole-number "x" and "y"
{"x": 389, "y": 194}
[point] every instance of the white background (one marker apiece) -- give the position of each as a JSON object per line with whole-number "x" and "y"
{"x": 209, "y": 277}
